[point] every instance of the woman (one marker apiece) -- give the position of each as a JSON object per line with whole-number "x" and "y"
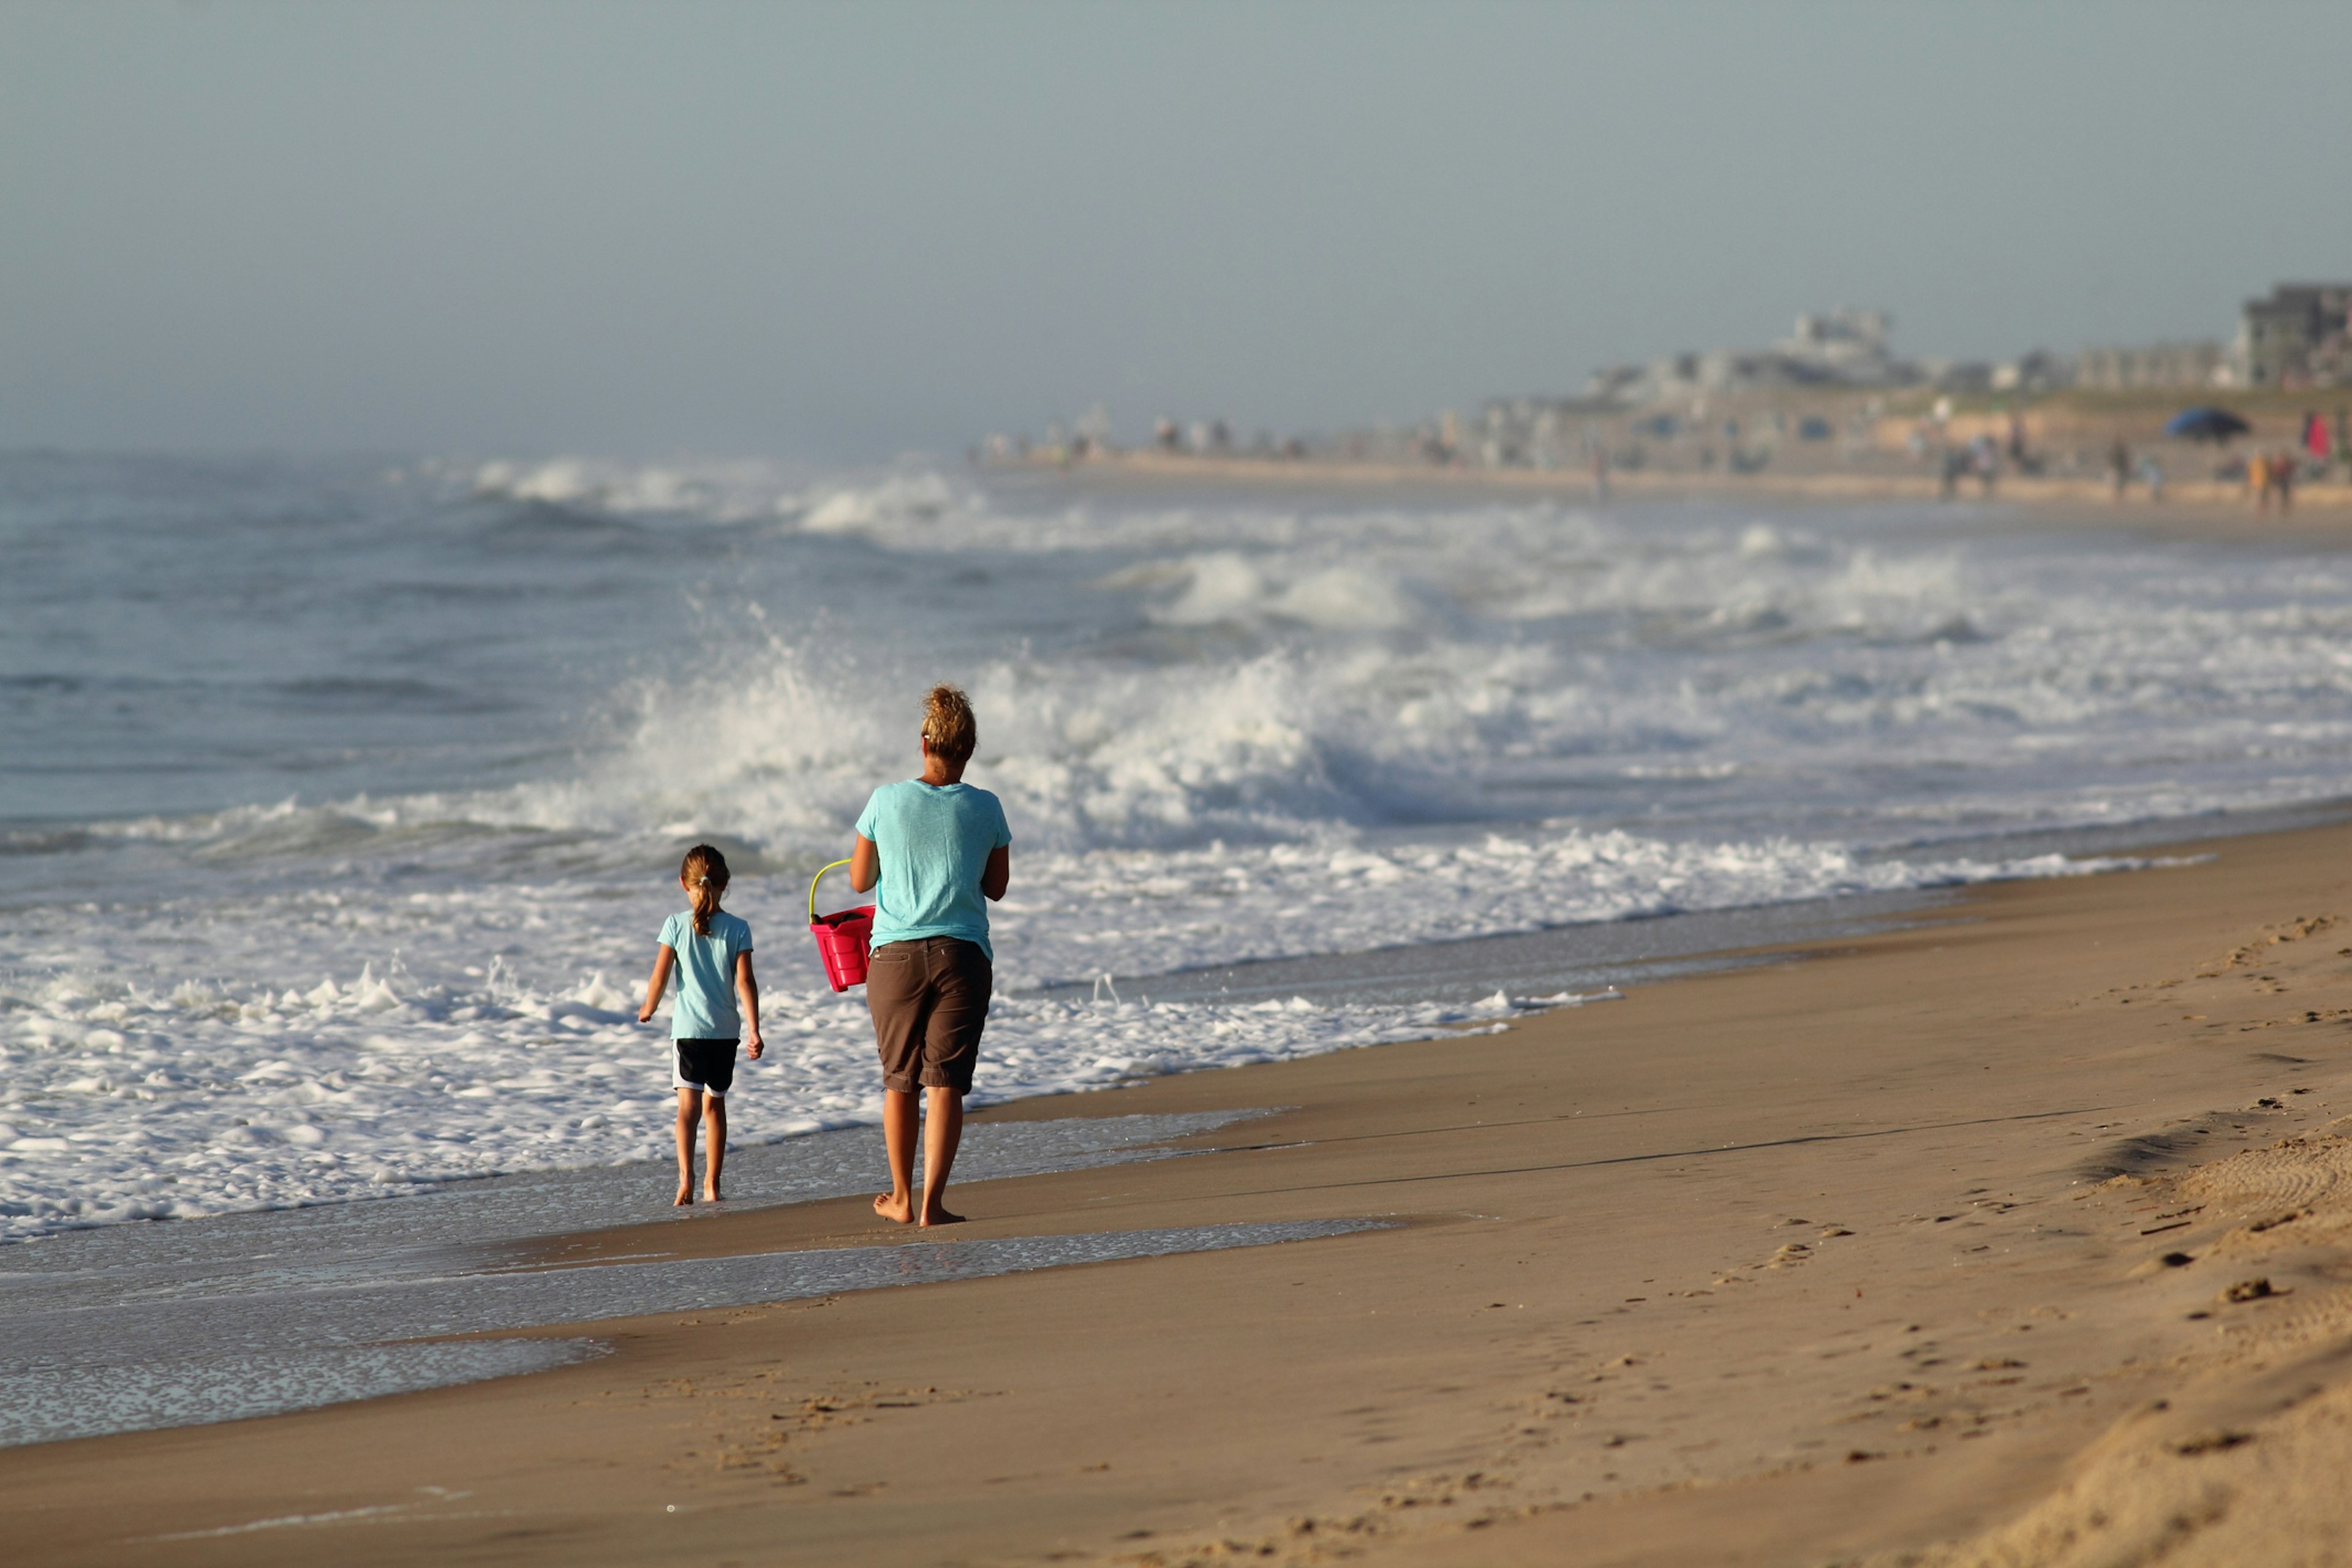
{"x": 938, "y": 848}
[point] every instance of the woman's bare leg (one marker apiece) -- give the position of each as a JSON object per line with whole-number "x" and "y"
{"x": 899, "y": 1133}
{"x": 690, "y": 1111}
{"x": 714, "y": 1153}
{"x": 942, "y": 1134}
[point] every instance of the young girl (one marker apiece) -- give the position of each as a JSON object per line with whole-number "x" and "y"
{"x": 711, "y": 950}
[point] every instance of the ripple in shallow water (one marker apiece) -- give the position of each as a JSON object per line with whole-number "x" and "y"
{"x": 88, "y": 1371}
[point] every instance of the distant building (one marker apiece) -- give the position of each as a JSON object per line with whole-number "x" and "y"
{"x": 1957, "y": 374}
{"x": 2174, "y": 365}
{"x": 1847, "y": 346}
{"x": 1537, "y": 432}
{"x": 1672, "y": 378}
{"x": 2297, "y": 337}
{"x": 1839, "y": 348}
{"x": 2040, "y": 371}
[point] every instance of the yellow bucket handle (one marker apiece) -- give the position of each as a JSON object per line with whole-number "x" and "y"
{"x": 813, "y": 881}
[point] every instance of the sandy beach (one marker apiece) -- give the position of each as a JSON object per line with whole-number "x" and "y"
{"x": 2015, "y": 1236}
{"x": 1610, "y": 747}
{"x": 2206, "y": 507}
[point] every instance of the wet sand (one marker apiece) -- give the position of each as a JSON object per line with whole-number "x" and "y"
{"x": 1925, "y": 1241}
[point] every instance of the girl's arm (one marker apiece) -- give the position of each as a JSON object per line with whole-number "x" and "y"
{"x": 865, "y": 865}
{"x": 747, "y": 989}
{"x": 663, "y": 959}
{"x": 997, "y": 874}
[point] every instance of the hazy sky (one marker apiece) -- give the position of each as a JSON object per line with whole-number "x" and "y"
{"x": 824, "y": 231}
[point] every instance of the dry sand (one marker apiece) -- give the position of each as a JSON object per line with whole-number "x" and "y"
{"x": 1919, "y": 1252}
{"x": 2211, "y": 507}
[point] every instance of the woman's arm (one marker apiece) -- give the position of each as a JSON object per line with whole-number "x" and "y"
{"x": 997, "y": 874}
{"x": 747, "y": 989}
{"x": 663, "y": 959}
{"x": 865, "y": 865}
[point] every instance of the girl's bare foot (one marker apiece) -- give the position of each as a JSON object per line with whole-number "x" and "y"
{"x": 936, "y": 1215}
{"x": 898, "y": 1210}
{"x": 685, "y": 1198}
{"x": 711, "y": 1195}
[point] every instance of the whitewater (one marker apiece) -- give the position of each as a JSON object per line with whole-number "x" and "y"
{"x": 341, "y": 801}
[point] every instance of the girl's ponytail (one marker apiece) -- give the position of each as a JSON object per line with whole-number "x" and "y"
{"x": 704, "y": 872}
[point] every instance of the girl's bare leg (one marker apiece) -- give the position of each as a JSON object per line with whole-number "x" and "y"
{"x": 690, "y": 1111}
{"x": 714, "y": 1154}
{"x": 899, "y": 1133}
{"x": 942, "y": 1134}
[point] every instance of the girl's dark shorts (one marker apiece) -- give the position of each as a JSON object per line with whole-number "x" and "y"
{"x": 706, "y": 1064}
{"x": 930, "y": 999}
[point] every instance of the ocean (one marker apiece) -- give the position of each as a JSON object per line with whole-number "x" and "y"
{"x": 341, "y": 801}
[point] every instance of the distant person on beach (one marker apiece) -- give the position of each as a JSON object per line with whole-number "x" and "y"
{"x": 2119, "y": 467}
{"x": 2258, "y": 482}
{"x": 1986, "y": 456}
{"x": 2151, "y": 474}
{"x": 1600, "y": 475}
{"x": 711, "y": 952}
{"x": 940, "y": 851}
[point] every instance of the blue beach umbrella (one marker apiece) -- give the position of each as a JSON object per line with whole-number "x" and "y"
{"x": 2205, "y": 425}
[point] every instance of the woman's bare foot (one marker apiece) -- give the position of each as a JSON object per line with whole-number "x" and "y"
{"x": 938, "y": 1215}
{"x": 711, "y": 1195}
{"x": 898, "y": 1210}
{"x": 685, "y": 1198}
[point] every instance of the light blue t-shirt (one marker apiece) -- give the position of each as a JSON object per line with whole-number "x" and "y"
{"x": 934, "y": 842}
{"x": 705, "y": 1009}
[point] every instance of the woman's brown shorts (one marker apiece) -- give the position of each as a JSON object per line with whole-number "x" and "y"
{"x": 930, "y": 999}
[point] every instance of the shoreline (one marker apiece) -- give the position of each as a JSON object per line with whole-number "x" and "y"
{"x": 1632, "y": 669}
{"x": 2203, "y": 505}
{"x": 1711, "y": 1216}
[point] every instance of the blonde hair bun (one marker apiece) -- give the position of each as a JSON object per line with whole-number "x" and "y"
{"x": 949, "y": 726}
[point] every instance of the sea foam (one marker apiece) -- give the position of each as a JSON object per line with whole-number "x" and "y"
{"x": 345, "y": 874}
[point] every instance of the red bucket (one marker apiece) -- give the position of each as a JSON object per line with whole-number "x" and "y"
{"x": 842, "y": 937}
